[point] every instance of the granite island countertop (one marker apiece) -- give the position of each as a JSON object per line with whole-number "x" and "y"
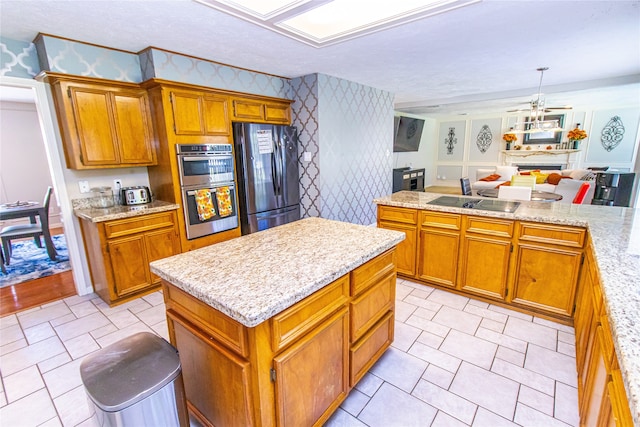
{"x": 615, "y": 236}
{"x": 83, "y": 211}
{"x": 253, "y": 277}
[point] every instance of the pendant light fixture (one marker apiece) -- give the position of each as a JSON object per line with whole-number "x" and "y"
{"x": 536, "y": 122}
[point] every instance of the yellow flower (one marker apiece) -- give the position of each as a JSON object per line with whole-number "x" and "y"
{"x": 576, "y": 134}
{"x": 509, "y": 137}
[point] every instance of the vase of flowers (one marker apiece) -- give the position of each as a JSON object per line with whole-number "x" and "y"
{"x": 575, "y": 136}
{"x": 509, "y": 138}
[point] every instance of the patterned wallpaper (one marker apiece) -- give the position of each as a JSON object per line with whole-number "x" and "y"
{"x": 348, "y": 129}
{"x": 18, "y": 59}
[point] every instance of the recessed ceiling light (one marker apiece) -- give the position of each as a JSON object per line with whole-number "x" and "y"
{"x": 323, "y": 22}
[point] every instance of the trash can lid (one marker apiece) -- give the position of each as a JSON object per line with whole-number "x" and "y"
{"x": 129, "y": 370}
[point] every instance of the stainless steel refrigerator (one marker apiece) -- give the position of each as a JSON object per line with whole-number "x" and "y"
{"x": 267, "y": 170}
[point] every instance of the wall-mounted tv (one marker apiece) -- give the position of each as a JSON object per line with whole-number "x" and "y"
{"x": 408, "y": 131}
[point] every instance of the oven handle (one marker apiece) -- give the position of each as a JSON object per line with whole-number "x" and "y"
{"x": 201, "y": 158}
{"x": 213, "y": 190}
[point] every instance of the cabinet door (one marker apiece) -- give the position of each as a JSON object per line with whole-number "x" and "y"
{"x": 546, "y": 278}
{"x": 438, "y": 258}
{"x": 129, "y": 264}
{"x": 187, "y": 113}
{"x": 94, "y": 126}
{"x": 484, "y": 266}
{"x": 216, "y": 115}
{"x": 596, "y": 406}
{"x": 247, "y": 109}
{"x": 277, "y": 113}
{"x": 160, "y": 244}
{"x": 304, "y": 398}
{"x": 133, "y": 125}
{"x": 406, "y": 250}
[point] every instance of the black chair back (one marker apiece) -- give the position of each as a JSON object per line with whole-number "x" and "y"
{"x": 465, "y": 186}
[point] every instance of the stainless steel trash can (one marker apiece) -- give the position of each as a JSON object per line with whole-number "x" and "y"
{"x": 136, "y": 382}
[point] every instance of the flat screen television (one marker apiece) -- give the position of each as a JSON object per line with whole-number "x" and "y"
{"x": 408, "y": 131}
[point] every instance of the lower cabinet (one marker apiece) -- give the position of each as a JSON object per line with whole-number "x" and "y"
{"x": 405, "y": 220}
{"x": 293, "y": 369}
{"x": 119, "y": 253}
{"x": 438, "y": 247}
{"x": 601, "y": 395}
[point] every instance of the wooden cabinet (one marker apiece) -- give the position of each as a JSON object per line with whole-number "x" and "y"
{"x": 256, "y": 110}
{"x": 601, "y": 395}
{"x": 293, "y": 369}
{"x": 548, "y": 259}
{"x": 119, "y": 253}
{"x": 438, "y": 247}
{"x": 103, "y": 125}
{"x": 198, "y": 113}
{"x": 405, "y": 220}
{"x": 485, "y": 256}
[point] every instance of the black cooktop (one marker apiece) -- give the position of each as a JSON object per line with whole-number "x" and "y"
{"x": 471, "y": 203}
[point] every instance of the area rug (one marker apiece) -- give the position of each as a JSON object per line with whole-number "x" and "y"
{"x": 30, "y": 262}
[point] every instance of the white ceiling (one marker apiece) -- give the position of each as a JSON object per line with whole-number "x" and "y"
{"x": 479, "y": 58}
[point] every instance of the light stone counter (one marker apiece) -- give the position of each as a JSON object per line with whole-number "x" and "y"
{"x": 615, "y": 233}
{"x": 83, "y": 211}
{"x": 254, "y": 277}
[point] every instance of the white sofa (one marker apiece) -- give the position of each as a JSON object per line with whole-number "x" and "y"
{"x": 566, "y": 187}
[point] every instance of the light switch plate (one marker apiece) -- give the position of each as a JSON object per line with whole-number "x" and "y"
{"x": 84, "y": 186}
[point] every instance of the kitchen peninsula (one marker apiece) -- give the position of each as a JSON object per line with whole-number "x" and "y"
{"x": 275, "y": 327}
{"x": 576, "y": 263}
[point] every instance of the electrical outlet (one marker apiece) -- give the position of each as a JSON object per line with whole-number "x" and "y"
{"x": 117, "y": 184}
{"x": 84, "y": 186}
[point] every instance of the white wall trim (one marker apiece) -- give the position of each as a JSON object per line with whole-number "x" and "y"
{"x": 51, "y": 136}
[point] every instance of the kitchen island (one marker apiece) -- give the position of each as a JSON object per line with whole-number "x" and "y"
{"x": 599, "y": 249}
{"x": 275, "y": 328}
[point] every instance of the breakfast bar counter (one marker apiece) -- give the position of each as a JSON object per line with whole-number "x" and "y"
{"x": 275, "y": 327}
{"x": 614, "y": 247}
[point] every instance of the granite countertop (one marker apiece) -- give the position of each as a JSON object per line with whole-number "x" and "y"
{"x": 253, "y": 277}
{"x": 83, "y": 211}
{"x": 615, "y": 234}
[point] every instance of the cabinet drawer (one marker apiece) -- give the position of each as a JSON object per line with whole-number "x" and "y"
{"x": 368, "y": 350}
{"x": 490, "y": 226}
{"x": 440, "y": 220}
{"x": 371, "y": 306}
{"x": 295, "y": 321}
{"x": 222, "y": 328}
{"x": 404, "y": 215}
{"x": 553, "y": 234}
{"x": 123, "y": 227}
{"x": 374, "y": 270}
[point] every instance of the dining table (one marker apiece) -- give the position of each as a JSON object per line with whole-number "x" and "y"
{"x": 536, "y": 195}
{"x": 31, "y": 210}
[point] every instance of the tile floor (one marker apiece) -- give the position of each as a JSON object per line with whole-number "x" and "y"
{"x": 455, "y": 361}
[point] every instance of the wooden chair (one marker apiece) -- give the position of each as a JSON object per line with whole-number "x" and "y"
{"x": 465, "y": 185}
{"x": 21, "y": 231}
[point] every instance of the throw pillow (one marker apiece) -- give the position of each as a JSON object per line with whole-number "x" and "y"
{"x": 505, "y": 184}
{"x": 540, "y": 177}
{"x": 529, "y": 172}
{"x": 492, "y": 177}
{"x": 554, "y": 178}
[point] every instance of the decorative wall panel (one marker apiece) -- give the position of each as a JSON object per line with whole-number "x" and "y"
{"x": 623, "y": 149}
{"x": 489, "y": 132}
{"x": 451, "y": 141}
{"x": 18, "y": 59}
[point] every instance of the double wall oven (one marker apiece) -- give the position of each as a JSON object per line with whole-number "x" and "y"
{"x": 207, "y": 187}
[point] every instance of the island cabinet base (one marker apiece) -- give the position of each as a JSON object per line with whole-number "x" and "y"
{"x": 293, "y": 369}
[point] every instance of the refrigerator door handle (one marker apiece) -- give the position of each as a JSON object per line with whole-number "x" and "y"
{"x": 274, "y": 175}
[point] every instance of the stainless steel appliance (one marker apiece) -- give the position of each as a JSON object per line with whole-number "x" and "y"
{"x": 138, "y": 195}
{"x": 613, "y": 189}
{"x": 208, "y": 190}
{"x": 268, "y": 180}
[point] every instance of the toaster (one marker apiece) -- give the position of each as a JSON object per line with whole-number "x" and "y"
{"x": 138, "y": 195}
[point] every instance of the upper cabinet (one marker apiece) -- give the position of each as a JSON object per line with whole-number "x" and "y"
{"x": 199, "y": 113}
{"x": 256, "y": 110}
{"x": 103, "y": 125}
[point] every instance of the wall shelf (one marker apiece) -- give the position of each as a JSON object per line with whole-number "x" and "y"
{"x": 525, "y": 153}
{"x": 564, "y": 158}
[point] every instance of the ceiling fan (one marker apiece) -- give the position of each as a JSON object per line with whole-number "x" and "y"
{"x": 537, "y": 104}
